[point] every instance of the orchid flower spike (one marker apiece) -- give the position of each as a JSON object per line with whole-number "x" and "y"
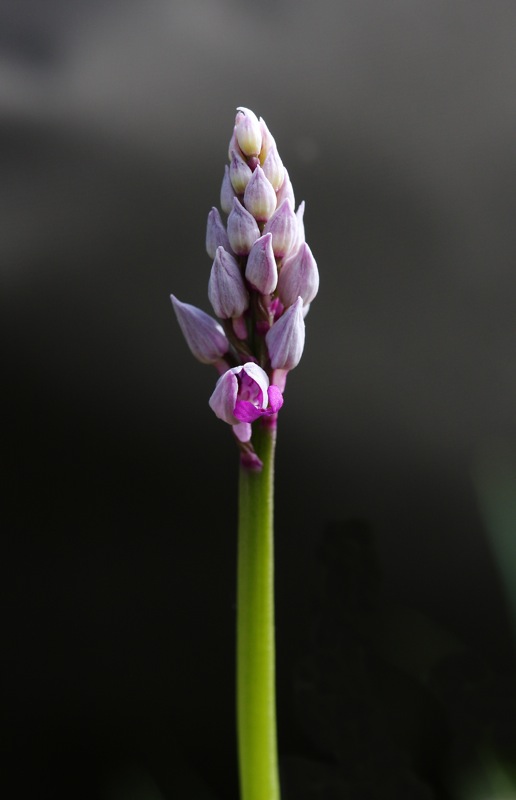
{"x": 262, "y": 282}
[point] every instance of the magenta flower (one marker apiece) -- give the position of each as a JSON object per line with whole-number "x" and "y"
{"x": 242, "y": 395}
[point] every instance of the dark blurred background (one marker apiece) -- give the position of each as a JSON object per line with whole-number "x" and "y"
{"x": 397, "y": 124}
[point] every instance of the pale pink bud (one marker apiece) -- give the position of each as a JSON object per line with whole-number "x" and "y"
{"x": 273, "y": 168}
{"x": 239, "y": 172}
{"x": 243, "y": 229}
{"x": 227, "y": 192}
{"x": 259, "y": 196}
{"x": 226, "y": 288}
{"x": 267, "y": 140}
{"x": 286, "y": 191}
{"x": 216, "y": 233}
{"x": 248, "y": 132}
{"x": 284, "y": 228}
{"x": 261, "y": 270}
{"x": 204, "y": 335}
{"x": 299, "y": 277}
{"x": 286, "y": 339}
{"x": 300, "y": 225}
{"x": 233, "y": 144}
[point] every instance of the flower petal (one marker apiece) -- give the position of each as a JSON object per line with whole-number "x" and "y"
{"x": 275, "y": 399}
{"x": 242, "y": 431}
{"x": 246, "y": 411}
{"x": 259, "y": 376}
{"x": 224, "y": 396}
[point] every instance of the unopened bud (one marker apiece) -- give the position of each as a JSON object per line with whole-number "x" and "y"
{"x": 239, "y": 172}
{"x": 204, "y": 335}
{"x": 259, "y": 196}
{"x": 286, "y": 191}
{"x": 300, "y": 225}
{"x": 299, "y": 277}
{"x": 227, "y": 192}
{"x": 248, "y": 132}
{"x": 243, "y": 229}
{"x": 273, "y": 168}
{"x": 286, "y": 339}
{"x": 216, "y": 233}
{"x": 226, "y": 288}
{"x": 261, "y": 270}
{"x": 284, "y": 228}
{"x": 267, "y": 140}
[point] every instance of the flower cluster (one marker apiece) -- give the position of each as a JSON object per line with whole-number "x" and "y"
{"x": 262, "y": 282}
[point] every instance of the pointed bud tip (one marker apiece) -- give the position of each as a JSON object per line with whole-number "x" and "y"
{"x": 203, "y": 334}
{"x": 286, "y": 339}
{"x": 248, "y": 131}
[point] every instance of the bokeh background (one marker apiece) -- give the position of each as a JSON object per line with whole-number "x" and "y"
{"x": 397, "y": 124}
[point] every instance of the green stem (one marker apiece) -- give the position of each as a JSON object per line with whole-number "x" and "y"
{"x": 256, "y": 693}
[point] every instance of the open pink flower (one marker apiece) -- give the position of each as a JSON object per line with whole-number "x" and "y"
{"x": 242, "y": 395}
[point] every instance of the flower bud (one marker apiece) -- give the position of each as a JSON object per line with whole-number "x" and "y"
{"x": 286, "y": 339}
{"x": 286, "y": 191}
{"x": 233, "y": 144}
{"x": 226, "y": 288}
{"x": 248, "y": 132}
{"x": 300, "y": 225}
{"x": 239, "y": 172}
{"x": 261, "y": 270}
{"x": 216, "y": 233}
{"x": 259, "y": 196}
{"x": 284, "y": 228}
{"x": 298, "y": 277}
{"x": 267, "y": 140}
{"x": 273, "y": 168}
{"x": 204, "y": 335}
{"x": 227, "y": 192}
{"x": 243, "y": 229}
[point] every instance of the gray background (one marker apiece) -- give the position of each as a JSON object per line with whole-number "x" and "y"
{"x": 396, "y": 122}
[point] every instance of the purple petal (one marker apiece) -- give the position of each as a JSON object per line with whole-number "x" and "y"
{"x": 275, "y": 399}
{"x": 224, "y": 396}
{"x": 242, "y": 431}
{"x": 246, "y": 411}
{"x": 259, "y": 376}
